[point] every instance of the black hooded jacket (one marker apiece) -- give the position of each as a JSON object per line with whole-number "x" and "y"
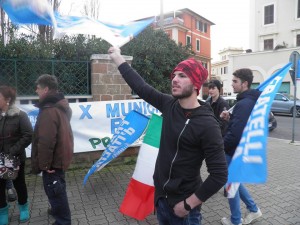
{"x": 186, "y": 140}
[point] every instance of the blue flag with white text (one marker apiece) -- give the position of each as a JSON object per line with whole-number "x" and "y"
{"x": 131, "y": 128}
{"x": 249, "y": 163}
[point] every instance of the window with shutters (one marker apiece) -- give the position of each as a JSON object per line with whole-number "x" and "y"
{"x": 268, "y": 44}
{"x": 269, "y": 14}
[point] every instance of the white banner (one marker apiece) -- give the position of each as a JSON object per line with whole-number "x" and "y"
{"x": 94, "y": 123}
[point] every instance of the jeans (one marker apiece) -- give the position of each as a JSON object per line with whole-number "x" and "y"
{"x": 166, "y": 215}
{"x": 234, "y": 203}
{"x": 55, "y": 188}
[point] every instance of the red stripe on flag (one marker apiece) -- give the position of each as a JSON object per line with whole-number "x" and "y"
{"x": 138, "y": 201}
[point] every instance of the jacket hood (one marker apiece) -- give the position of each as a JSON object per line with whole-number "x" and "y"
{"x": 55, "y": 99}
{"x": 64, "y": 106}
{"x": 251, "y": 93}
{"x": 51, "y": 98}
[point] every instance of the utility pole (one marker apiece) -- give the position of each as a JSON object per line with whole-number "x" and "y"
{"x": 294, "y": 72}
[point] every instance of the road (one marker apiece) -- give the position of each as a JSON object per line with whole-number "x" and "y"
{"x": 285, "y": 127}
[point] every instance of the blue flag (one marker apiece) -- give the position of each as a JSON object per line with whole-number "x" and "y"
{"x": 41, "y": 12}
{"x": 115, "y": 34}
{"x": 298, "y": 74}
{"x": 131, "y": 128}
{"x": 29, "y": 11}
{"x": 249, "y": 163}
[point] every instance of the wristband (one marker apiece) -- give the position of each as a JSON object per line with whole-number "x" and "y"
{"x": 186, "y": 206}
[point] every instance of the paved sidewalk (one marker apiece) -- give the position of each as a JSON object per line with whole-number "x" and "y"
{"x": 98, "y": 202}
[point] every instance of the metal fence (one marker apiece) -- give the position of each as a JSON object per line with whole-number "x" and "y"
{"x": 73, "y": 76}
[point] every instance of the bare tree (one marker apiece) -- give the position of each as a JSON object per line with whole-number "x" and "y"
{"x": 46, "y": 32}
{"x": 2, "y": 18}
{"x": 91, "y": 8}
{"x": 7, "y": 29}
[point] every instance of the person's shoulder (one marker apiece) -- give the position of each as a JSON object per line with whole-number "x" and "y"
{"x": 248, "y": 98}
{"x": 205, "y": 111}
{"x": 204, "y": 102}
{"x": 204, "y": 106}
{"x": 250, "y": 94}
{"x": 205, "y": 118}
{"x": 221, "y": 99}
{"x": 23, "y": 113}
{"x": 241, "y": 103}
{"x": 46, "y": 110}
{"x": 255, "y": 93}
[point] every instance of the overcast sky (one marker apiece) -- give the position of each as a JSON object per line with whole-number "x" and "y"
{"x": 230, "y": 16}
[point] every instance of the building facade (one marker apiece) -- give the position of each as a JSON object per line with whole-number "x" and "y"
{"x": 219, "y": 69}
{"x": 189, "y": 28}
{"x": 274, "y": 24}
{"x": 274, "y": 35}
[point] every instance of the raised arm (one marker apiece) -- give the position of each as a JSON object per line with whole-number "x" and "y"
{"x": 137, "y": 83}
{"x": 115, "y": 55}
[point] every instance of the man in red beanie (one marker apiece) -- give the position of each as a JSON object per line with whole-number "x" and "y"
{"x": 190, "y": 134}
{"x": 194, "y": 70}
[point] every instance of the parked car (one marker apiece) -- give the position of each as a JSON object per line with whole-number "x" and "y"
{"x": 272, "y": 120}
{"x": 284, "y": 103}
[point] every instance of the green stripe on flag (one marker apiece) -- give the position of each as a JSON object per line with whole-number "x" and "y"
{"x": 153, "y": 133}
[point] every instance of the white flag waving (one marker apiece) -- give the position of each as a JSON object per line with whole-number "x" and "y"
{"x": 41, "y": 12}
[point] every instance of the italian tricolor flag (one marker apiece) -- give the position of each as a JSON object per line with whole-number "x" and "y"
{"x": 139, "y": 198}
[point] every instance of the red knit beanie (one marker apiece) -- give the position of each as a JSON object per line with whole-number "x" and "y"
{"x": 194, "y": 70}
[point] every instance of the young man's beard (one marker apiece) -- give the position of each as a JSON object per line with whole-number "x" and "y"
{"x": 186, "y": 92}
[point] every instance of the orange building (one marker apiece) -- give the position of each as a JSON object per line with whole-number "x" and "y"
{"x": 189, "y": 28}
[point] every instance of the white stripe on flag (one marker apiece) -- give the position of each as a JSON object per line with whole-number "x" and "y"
{"x": 145, "y": 164}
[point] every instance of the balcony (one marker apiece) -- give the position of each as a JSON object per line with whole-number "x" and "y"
{"x": 170, "y": 21}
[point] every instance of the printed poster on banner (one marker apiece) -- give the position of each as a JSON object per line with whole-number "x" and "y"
{"x": 94, "y": 123}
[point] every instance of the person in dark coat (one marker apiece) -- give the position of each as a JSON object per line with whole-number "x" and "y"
{"x": 52, "y": 146}
{"x": 217, "y": 103}
{"x": 246, "y": 99}
{"x": 15, "y": 136}
{"x": 190, "y": 135}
